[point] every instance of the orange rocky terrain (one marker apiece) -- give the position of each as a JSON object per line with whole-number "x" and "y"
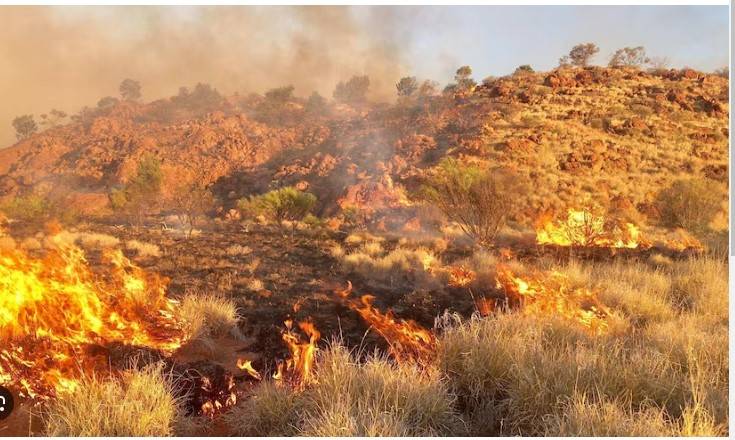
{"x": 612, "y": 135}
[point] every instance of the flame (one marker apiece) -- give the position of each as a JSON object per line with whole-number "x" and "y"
{"x": 582, "y": 228}
{"x": 406, "y": 339}
{"x": 247, "y": 366}
{"x": 551, "y": 293}
{"x": 298, "y": 368}
{"x": 55, "y": 310}
{"x": 460, "y": 276}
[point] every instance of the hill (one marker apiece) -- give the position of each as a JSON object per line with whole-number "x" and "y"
{"x": 601, "y": 134}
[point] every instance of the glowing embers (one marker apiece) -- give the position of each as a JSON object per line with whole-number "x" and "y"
{"x": 55, "y": 314}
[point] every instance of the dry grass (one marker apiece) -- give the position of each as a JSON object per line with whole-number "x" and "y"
{"x": 663, "y": 373}
{"x": 139, "y": 404}
{"x": 206, "y": 316}
{"x": 400, "y": 266}
{"x": 374, "y": 398}
{"x": 143, "y": 250}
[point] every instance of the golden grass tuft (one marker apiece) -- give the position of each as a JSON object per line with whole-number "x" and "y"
{"x": 138, "y": 404}
{"x": 207, "y": 315}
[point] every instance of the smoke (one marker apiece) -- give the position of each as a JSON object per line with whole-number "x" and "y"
{"x": 68, "y": 57}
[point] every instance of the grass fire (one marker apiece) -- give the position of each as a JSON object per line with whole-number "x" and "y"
{"x": 342, "y": 221}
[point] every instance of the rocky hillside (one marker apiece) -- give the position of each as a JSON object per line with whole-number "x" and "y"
{"x": 611, "y": 135}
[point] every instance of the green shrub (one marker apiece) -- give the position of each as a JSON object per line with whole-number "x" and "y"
{"x": 690, "y": 204}
{"x": 287, "y": 203}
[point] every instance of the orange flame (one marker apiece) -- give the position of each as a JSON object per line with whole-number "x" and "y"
{"x": 406, "y": 339}
{"x": 298, "y": 368}
{"x": 53, "y": 310}
{"x": 551, "y": 294}
{"x": 582, "y": 228}
{"x": 247, "y": 366}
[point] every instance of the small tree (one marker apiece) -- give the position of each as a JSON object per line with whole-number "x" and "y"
{"x": 479, "y": 201}
{"x": 581, "y": 54}
{"x": 353, "y": 91}
{"x": 141, "y": 193}
{"x": 192, "y": 201}
{"x": 463, "y": 78}
{"x": 690, "y": 204}
{"x": 287, "y": 203}
{"x": 274, "y": 108}
{"x": 24, "y": 126}
{"x": 407, "y": 86}
{"x": 629, "y": 57}
{"x": 316, "y": 104}
{"x": 130, "y": 90}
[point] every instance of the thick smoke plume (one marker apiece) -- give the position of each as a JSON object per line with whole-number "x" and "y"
{"x": 68, "y": 57}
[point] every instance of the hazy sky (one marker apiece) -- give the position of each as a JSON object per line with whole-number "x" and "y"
{"x": 67, "y": 57}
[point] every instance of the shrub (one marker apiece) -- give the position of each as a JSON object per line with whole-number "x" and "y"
{"x": 352, "y": 91}
{"x": 525, "y": 68}
{"x": 407, "y": 86}
{"x": 139, "y": 404}
{"x": 192, "y": 201}
{"x": 287, "y": 203}
{"x": 141, "y": 193}
{"x": 30, "y": 208}
{"x": 690, "y": 204}
{"x": 479, "y": 201}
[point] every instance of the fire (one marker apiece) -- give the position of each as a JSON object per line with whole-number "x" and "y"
{"x": 55, "y": 311}
{"x": 582, "y": 228}
{"x": 247, "y": 366}
{"x": 298, "y": 368}
{"x": 460, "y": 276}
{"x": 406, "y": 339}
{"x": 546, "y": 294}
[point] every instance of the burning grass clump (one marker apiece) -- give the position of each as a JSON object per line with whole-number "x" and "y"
{"x": 206, "y": 316}
{"x": 348, "y": 398}
{"x": 541, "y": 375}
{"x": 138, "y": 404}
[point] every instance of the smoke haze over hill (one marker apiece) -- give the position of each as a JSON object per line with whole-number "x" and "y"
{"x": 68, "y": 57}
